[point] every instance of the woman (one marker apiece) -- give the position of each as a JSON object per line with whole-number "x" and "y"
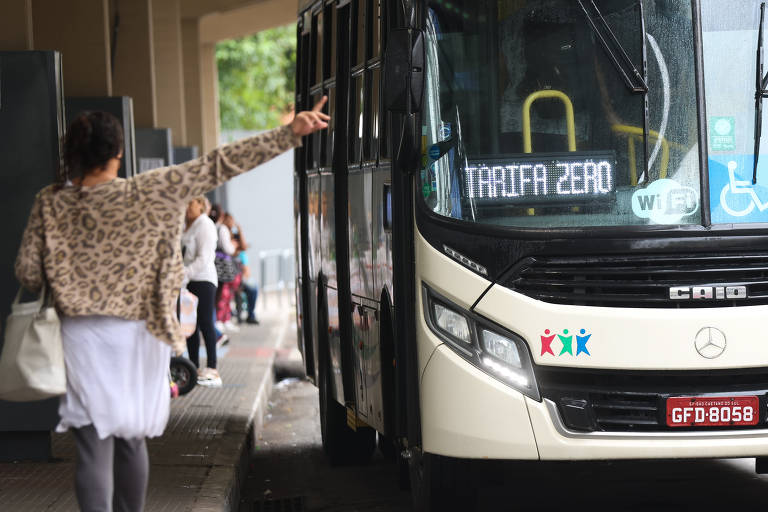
{"x": 109, "y": 249}
{"x": 251, "y": 292}
{"x": 198, "y": 245}
{"x": 226, "y": 291}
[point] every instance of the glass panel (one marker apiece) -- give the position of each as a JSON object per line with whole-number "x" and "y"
{"x": 318, "y": 35}
{"x": 730, "y": 31}
{"x": 376, "y": 28}
{"x": 304, "y": 61}
{"x": 530, "y": 123}
{"x": 318, "y": 142}
{"x": 375, "y": 122}
{"x": 330, "y": 108}
{"x": 356, "y": 122}
{"x": 330, "y": 41}
{"x": 360, "y": 39}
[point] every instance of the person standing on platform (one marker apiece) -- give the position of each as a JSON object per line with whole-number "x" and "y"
{"x": 109, "y": 249}
{"x": 198, "y": 245}
{"x": 227, "y": 289}
{"x": 251, "y": 292}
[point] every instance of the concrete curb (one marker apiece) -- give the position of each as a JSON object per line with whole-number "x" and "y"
{"x": 230, "y": 465}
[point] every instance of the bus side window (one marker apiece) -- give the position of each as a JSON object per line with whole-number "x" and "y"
{"x": 374, "y": 8}
{"x": 359, "y": 20}
{"x": 330, "y": 108}
{"x": 317, "y": 33}
{"x": 329, "y": 35}
{"x": 325, "y": 137}
{"x": 356, "y": 124}
{"x": 302, "y": 34}
{"x": 315, "y": 54}
{"x": 374, "y": 123}
{"x": 318, "y": 138}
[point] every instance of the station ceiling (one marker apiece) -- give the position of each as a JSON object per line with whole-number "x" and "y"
{"x": 229, "y": 19}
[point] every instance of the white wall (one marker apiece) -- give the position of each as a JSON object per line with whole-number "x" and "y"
{"x": 262, "y": 202}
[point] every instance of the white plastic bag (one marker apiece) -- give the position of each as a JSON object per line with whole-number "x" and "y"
{"x": 187, "y": 312}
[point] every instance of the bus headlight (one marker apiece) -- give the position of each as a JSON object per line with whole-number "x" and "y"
{"x": 491, "y": 348}
{"x": 451, "y": 323}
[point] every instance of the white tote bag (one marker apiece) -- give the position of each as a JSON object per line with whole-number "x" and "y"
{"x": 32, "y": 360}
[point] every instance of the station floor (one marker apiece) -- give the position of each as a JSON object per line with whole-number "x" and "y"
{"x": 201, "y": 459}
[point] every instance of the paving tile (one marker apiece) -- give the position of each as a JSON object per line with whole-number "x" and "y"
{"x": 195, "y": 464}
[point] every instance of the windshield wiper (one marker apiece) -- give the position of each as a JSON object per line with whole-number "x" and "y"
{"x": 633, "y": 79}
{"x": 639, "y": 83}
{"x": 761, "y": 83}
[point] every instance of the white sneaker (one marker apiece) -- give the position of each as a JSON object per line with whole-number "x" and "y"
{"x": 210, "y": 378}
{"x": 220, "y": 326}
{"x": 231, "y": 327}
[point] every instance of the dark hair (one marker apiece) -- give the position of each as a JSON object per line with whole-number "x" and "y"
{"x": 215, "y": 212}
{"x": 92, "y": 139}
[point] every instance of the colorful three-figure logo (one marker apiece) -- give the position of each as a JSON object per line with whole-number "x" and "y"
{"x": 566, "y": 340}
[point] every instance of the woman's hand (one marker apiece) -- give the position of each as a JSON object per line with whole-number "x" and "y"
{"x": 310, "y": 121}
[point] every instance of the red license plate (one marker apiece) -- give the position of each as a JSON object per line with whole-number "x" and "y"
{"x": 712, "y": 411}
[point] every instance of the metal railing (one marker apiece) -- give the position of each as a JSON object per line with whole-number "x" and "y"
{"x": 276, "y": 275}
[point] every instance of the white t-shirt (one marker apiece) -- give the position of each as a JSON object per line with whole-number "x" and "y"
{"x": 198, "y": 244}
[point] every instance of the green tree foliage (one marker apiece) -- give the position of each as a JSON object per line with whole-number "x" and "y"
{"x": 257, "y": 76}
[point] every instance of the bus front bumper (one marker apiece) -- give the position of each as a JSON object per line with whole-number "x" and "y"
{"x": 468, "y": 414}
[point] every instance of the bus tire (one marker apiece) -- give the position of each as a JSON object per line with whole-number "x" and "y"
{"x": 441, "y": 483}
{"x": 341, "y": 444}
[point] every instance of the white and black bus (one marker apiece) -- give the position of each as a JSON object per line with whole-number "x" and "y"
{"x": 535, "y": 230}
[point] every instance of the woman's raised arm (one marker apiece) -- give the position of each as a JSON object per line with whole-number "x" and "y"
{"x": 180, "y": 183}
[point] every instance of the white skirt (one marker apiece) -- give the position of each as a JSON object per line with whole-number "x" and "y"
{"x": 117, "y": 377}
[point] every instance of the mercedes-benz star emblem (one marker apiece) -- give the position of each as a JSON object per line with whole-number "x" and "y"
{"x": 710, "y": 342}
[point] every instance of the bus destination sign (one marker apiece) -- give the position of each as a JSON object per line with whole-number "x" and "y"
{"x": 576, "y": 177}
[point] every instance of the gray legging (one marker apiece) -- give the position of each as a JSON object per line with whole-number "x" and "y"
{"x": 110, "y": 471}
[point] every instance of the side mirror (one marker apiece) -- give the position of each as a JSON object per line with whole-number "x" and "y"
{"x": 404, "y": 71}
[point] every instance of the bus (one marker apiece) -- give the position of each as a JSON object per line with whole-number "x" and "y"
{"x": 535, "y": 230}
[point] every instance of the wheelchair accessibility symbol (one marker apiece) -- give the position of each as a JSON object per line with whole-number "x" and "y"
{"x": 735, "y": 192}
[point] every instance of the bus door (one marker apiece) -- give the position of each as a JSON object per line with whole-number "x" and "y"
{"x": 332, "y": 178}
{"x": 380, "y": 361}
{"x": 360, "y": 221}
{"x": 304, "y": 312}
{"x": 314, "y": 192}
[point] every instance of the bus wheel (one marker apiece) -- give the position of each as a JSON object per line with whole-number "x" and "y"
{"x": 440, "y": 483}
{"x": 341, "y": 444}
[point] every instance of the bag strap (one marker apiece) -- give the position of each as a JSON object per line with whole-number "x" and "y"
{"x": 42, "y": 299}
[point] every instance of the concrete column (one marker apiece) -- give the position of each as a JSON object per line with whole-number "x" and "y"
{"x": 169, "y": 69}
{"x": 193, "y": 99}
{"x": 80, "y": 30}
{"x": 209, "y": 87}
{"x": 134, "y": 64}
{"x": 16, "y": 25}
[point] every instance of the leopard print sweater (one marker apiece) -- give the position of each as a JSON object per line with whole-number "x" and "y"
{"x": 114, "y": 248}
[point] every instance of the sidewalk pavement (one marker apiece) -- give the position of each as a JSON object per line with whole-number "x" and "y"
{"x": 201, "y": 459}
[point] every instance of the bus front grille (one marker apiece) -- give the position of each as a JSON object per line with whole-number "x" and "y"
{"x": 642, "y": 280}
{"x": 635, "y": 401}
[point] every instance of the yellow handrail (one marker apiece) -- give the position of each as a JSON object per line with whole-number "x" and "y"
{"x": 569, "y": 118}
{"x": 635, "y": 132}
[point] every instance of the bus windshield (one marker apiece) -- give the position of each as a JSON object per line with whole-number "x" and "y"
{"x": 535, "y": 113}
{"x": 730, "y": 39}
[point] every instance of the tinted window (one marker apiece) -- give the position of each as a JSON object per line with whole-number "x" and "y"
{"x": 318, "y": 53}
{"x": 357, "y": 119}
